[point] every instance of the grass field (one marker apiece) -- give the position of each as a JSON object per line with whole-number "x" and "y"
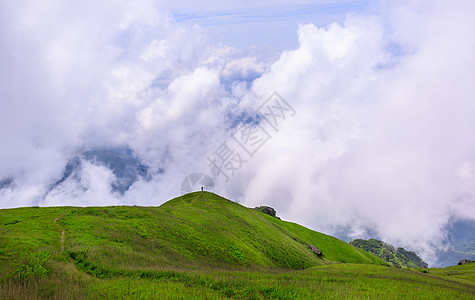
{"x": 199, "y": 246}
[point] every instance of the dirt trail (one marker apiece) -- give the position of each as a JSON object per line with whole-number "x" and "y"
{"x": 63, "y": 234}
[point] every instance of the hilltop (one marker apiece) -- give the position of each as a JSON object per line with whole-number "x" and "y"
{"x": 199, "y": 245}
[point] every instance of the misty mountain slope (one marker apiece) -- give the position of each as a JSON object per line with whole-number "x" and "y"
{"x": 125, "y": 167}
{"x": 4, "y": 183}
{"x": 398, "y": 257}
{"x": 461, "y": 235}
{"x": 460, "y": 241}
{"x": 458, "y": 244}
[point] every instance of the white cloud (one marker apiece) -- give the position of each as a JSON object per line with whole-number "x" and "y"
{"x": 370, "y": 145}
{"x": 93, "y": 188}
{"x": 243, "y": 69}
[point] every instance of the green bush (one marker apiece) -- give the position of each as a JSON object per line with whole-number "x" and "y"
{"x": 266, "y": 209}
{"x": 33, "y": 267}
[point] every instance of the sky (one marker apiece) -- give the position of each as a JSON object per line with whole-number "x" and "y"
{"x": 374, "y": 130}
{"x": 271, "y": 24}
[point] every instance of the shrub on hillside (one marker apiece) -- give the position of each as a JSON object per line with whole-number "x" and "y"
{"x": 267, "y": 210}
{"x": 33, "y": 267}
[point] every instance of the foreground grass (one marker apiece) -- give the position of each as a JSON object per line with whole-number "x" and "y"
{"x": 196, "y": 247}
{"x": 341, "y": 281}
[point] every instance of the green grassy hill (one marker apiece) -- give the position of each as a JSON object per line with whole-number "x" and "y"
{"x": 196, "y": 246}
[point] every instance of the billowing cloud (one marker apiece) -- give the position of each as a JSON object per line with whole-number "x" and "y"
{"x": 380, "y": 140}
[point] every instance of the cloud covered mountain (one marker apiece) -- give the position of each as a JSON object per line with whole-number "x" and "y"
{"x": 125, "y": 168}
{"x": 459, "y": 243}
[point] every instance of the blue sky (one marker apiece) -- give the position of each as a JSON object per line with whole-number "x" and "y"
{"x": 268, "y": 24}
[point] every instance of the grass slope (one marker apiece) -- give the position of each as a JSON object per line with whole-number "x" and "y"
{"x": 199, "y": 246}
